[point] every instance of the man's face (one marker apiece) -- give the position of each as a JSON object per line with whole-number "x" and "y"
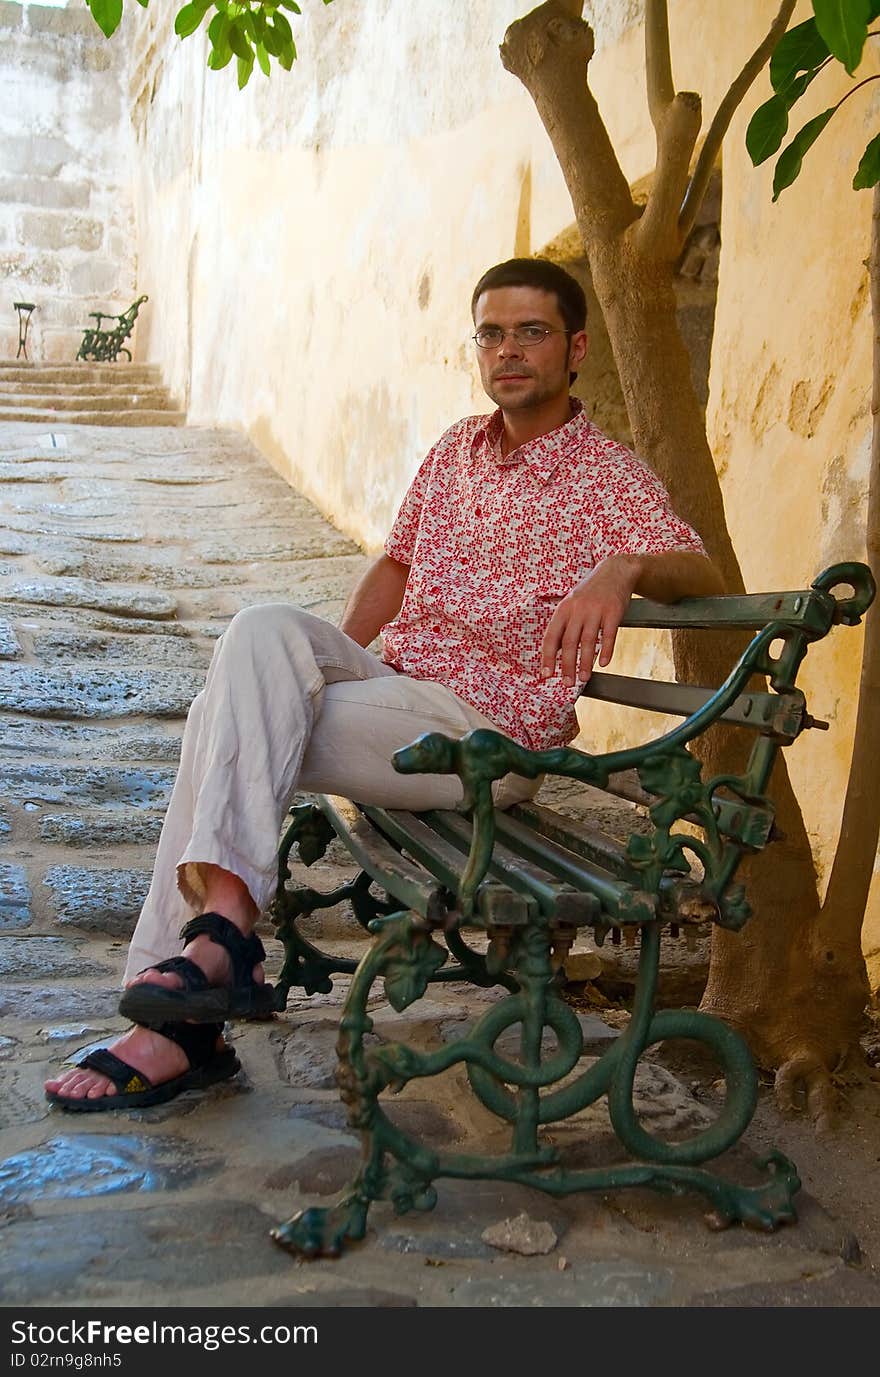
{"x": 519, "y": 377}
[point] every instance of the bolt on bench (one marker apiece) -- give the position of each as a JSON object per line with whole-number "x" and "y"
{"x": 527, "y": 881}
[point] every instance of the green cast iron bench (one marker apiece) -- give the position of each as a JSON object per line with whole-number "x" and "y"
{"x": 526, "y": 882}
{"x": 105, "y": 345}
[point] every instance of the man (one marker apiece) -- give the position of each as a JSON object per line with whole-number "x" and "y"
{"x": 510, "y": 564}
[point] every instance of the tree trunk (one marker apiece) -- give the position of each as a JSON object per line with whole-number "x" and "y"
{"x": 799, "y": 1010}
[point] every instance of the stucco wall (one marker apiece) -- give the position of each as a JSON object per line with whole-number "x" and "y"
{"x": 66, "y": 218}
{"x": 310, "y": 244}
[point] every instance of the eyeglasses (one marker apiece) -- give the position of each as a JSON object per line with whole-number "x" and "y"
{"x": 526, "y": 336}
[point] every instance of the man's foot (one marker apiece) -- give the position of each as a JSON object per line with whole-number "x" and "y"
{"x": 157, "y": 1058}
{"x": 218, "y": 976}
{"x": 212, "y": 959}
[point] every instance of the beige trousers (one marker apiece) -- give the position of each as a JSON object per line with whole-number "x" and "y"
{"x": 290, "y": 702}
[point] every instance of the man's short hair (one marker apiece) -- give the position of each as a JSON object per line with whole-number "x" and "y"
{"x": 547, "y": 277}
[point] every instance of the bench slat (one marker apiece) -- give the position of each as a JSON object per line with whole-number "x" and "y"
{"x": 408, "y": 883}
{"x": 777, "y": 714}
{"x": 571, "y": 905}
{"x": 621, "y": 901}
{"x": 810, "y": 609}
{"x": 496, "y": 903}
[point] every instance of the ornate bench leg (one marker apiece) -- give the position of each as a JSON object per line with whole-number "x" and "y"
{"x": 405, "y": 955}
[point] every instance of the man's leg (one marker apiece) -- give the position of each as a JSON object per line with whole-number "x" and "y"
{"x": 289, "y": 701}
{"x": 242, "y": 746}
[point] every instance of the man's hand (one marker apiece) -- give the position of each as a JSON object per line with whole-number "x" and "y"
{"x": 595, "y": 607}
{"x": 591, "y": 612}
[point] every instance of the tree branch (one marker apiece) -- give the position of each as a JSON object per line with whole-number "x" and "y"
{"x": 718, "y": 128}
{"x": 658, "y": 60}
{"x": 677, "y": 132}
{"x": 549, "y": 50}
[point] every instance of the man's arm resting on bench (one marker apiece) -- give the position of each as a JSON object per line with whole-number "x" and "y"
{"x": 374, "y": 600}
{"x": 597, "y": 604}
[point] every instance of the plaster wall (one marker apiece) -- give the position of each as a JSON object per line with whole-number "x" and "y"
{"x": 66, "y": 214}
{"x": 310, "y": 245}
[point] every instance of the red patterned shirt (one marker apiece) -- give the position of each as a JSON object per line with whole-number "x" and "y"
{"x": 495, "y": 543}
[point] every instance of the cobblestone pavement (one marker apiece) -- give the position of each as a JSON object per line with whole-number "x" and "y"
{"x": 123, "y": 553}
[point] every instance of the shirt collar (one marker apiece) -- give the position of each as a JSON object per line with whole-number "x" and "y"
{"x": 545, "y": 453}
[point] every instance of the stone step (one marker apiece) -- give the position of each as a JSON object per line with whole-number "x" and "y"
{"x": 96, "y": 418}
{"x": 11, "y": 371}
{"x": 154, "y": 399}
{"x": 40, "y": 387}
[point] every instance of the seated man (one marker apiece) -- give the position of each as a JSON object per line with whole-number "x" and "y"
{"x": 511, "y": 562}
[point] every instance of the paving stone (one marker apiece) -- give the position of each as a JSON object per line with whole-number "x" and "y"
{"x": 82, "y": 1165}
{"x": 586, "y": 1286}
{"x": 138, "y": 602}
{"x": 168, "y": 652}
{"x": 132, "y": 829}
{"x": 438, "y": 1243}
{"x": 842, "y": 1287}
{"x": 353, "y": 1297}
{"x": 15, "y": 897}
{"x": 321, "y": 1172}
{"x": 36, "y": 1005}
{"x": 85, "y": 1253}
{"x": 27, "y": 958}
{"x": 65, "y": 1032}
{"x": 465, "y": 1208}
{"x": 98, "y": 693}
{"x": 177, "y": 575}
{"x": 7, "y": 1047}
{"x": 30, "y": 738}
{"x": 309, "y": 1061}
{"x": 30, "y": 615}
{"x": 113, "y": 535}
{"x": 9, "y": 643}
{"x": 419, "y": 1118}
{"x": 596, "y": 1034}
{"x": 98, "y": 900}
{"x": 111, "y": 787}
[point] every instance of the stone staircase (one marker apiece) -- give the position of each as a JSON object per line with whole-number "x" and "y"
{"x": 110, "y": 394}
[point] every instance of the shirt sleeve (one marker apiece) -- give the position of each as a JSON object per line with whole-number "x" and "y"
{"x": 401, "y": 542}
{"x": 637, "y": 518}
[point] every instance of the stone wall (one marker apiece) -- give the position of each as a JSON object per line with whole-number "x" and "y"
{"x": 66, "y": 219}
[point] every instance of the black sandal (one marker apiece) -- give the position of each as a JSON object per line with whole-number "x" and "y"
{"x": 199, "y": 1001}
{"x": 207, "y": 1066}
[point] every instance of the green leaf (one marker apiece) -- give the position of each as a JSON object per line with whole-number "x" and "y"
{"x": 106, "y": 14}
{"x": 143, "y": 3}
{"x": 282, "y": 27}
{"x": 873, "y": 10}
{"x": 767, "y": 128}
{"x": 218, "y": 33}
{"x": 868, "y": 172}
{"x": 271, "y": 41}
{"x": 790, "y": 159}
{"x": 844, "y": 26}
{"x": 239, "y": 41}
{"x": 291, "y": 5}
{"x": 799, "y": 50}
{"x": 287, "y": 56}
{"x": 218, "y": 29}
{"x": 263, "y": 59}
{"x": 249, "y": 26}
{"x": 244, "y": 72}
{"x": 188, "y": 20}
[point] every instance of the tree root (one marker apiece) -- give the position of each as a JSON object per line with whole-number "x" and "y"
{"x": 804, "y": 1083}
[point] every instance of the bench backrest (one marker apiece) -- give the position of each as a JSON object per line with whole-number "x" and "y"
{"x": 732, "y": 811}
